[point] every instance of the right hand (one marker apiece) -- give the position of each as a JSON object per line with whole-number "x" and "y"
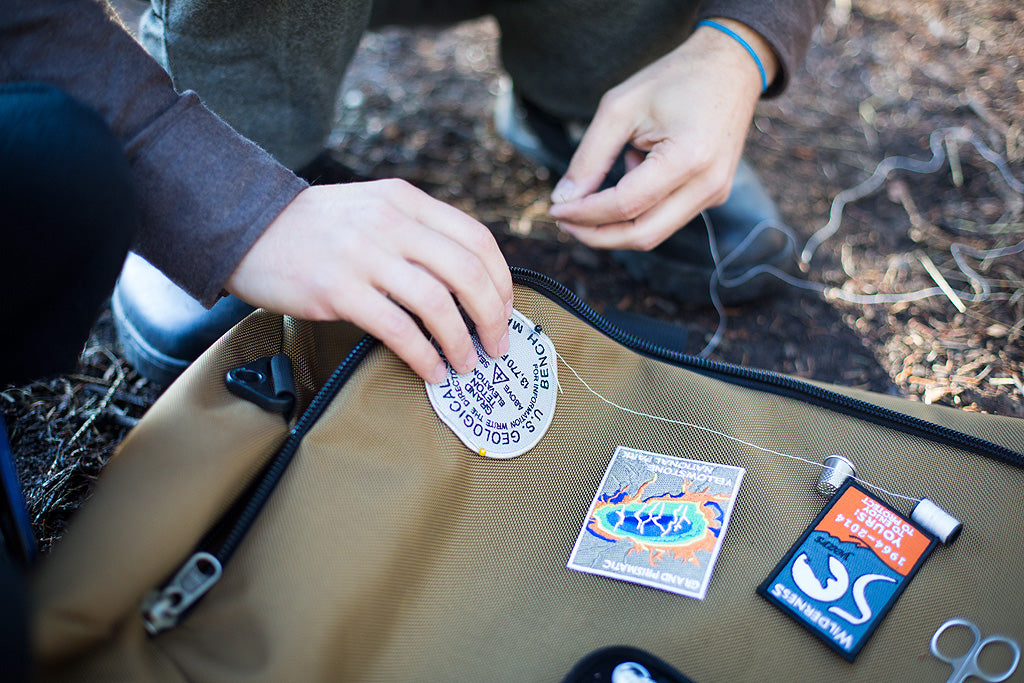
{"x": 686, "y": 117}
{"x": 373, "y": 253}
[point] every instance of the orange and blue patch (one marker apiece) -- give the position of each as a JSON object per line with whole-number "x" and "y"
{"x": 848, "y": 569}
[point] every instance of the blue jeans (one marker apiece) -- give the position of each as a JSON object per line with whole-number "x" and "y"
{"x": 68, "y": 214}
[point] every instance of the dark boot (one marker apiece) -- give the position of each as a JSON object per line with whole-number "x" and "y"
{"x": 682, "y": 266}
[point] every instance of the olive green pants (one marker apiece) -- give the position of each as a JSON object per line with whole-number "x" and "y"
{"x": 272, "y": 68}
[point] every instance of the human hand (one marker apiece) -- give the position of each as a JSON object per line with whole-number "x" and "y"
{"x": 686, "y": 117}
{"x": 363, "y": 252}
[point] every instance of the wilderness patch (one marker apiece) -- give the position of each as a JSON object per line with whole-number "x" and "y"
{"x": 847, "y": 570}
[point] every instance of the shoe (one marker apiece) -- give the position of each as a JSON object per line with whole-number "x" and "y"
{"x": 160, "y": 327}
{"x": 681, "y": 267}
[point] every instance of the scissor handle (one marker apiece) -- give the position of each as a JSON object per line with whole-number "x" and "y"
{"x": 967, "y": 664}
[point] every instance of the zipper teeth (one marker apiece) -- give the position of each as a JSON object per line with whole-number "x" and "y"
{"x": 333, "y": 384}
{"x": 769, "y": 380}
{"x": 272, "y": 473}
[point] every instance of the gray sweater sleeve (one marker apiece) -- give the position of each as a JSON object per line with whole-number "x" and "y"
{"x": 787, "y": 25}
{"x": 206, "y": 193}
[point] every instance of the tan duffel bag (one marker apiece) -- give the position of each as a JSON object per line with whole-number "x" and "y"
{"x": 362, "y": 539}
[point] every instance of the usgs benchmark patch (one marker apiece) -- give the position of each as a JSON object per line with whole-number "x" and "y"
{"x": 847, "y": 570}
{"x": 658, "y": 520}
{"x": 505, "y": 405}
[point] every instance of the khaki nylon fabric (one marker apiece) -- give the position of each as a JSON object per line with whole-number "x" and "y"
{"x": 392, "y": 552}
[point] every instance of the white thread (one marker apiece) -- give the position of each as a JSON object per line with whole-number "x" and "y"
{"x": 718, "y": 433}
{"x": 940, "y": 523}
{"x": 983, "y": 290}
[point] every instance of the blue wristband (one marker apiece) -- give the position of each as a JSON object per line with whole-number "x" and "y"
{"x": 746, "y": 46}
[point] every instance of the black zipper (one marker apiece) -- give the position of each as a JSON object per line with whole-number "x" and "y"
{"x": 165, "y": 607}
{"x": 768, "y": 381}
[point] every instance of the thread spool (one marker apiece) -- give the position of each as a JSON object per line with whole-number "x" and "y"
{"x": 836, "y": 470}
{"x": 936, "y": 521}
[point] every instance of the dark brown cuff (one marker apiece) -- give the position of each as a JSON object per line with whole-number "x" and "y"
{"x": 787, "y": 25}
{"x": 207, "y": 195}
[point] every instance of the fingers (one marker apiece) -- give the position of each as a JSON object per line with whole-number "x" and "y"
{"x": 423, "y": 280}
{"x": 361, "y": 252}
{"x": 385, "y": 320}
{"x": 633, "y": 158}
{"x": 661, "y": 172}
{"x": 427, "y": 252}
{"x": 474, "y": 237}
{"x": 401, "y": 291}
{"x": 462, "y": 254}
{"x": 600, "y": 147}
{"x": 654, "y": 225}
{"x": 690, "y": 117}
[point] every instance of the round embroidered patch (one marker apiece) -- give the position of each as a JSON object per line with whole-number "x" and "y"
{"x": 505, "y": 405}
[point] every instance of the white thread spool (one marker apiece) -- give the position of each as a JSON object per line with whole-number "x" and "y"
{"x": 936, "y": 521}
{"x": 836, "y": 470}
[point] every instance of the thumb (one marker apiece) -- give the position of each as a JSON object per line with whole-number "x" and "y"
{"x": 600, "y": 147}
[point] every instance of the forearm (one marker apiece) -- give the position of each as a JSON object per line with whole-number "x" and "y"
{"x": 206, "y": 193}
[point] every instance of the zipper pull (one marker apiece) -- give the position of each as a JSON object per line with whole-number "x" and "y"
{"x": 164, "y": 607}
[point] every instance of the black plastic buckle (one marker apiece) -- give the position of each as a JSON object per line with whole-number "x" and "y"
{"x": 268, "y": 382}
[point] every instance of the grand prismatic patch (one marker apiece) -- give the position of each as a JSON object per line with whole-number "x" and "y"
{"x": 658, "y": 520}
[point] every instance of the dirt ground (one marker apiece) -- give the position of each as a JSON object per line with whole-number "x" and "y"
{"x": 881, "y": 77}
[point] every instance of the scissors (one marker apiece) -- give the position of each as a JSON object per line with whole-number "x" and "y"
{"x": 967, "y": 665}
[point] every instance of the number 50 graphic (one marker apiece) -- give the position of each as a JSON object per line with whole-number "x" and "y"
{"x": 836, "y": 586}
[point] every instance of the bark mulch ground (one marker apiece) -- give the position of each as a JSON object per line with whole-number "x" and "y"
{"x": 881, "y": 78}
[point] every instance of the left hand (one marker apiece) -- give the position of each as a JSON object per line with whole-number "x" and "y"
{"x": 686, "y": 116}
